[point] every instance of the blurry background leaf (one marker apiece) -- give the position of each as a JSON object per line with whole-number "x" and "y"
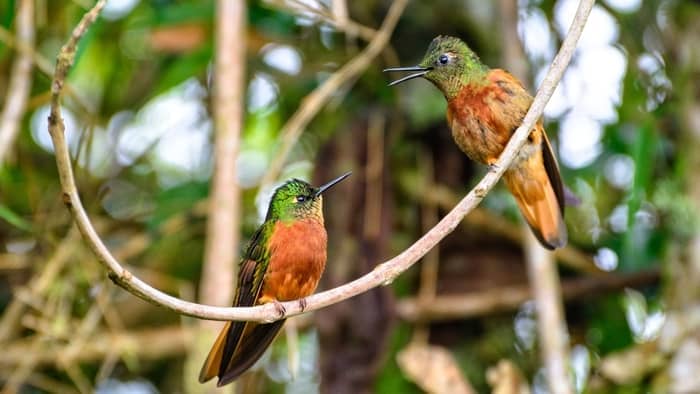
{"x": 14, "y": 219}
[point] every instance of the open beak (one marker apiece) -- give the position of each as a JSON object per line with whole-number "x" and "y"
{"x": 420, "y": 71}
{"x": 330, "y": 184}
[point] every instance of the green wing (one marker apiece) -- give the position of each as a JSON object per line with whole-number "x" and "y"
{"x": 246, "y": 342}
{"x": 229, "y": 345}
{"x": 252, "y": 268}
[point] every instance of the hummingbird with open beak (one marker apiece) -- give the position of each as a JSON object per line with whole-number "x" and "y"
{"x": 283, "y": 262}
{"x": 484, "y": 108}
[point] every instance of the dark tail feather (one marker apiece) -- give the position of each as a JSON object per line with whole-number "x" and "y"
{"x": 211, "y": 365}
{"x": 553, "y": 235}
{"x": 254, "y": 342}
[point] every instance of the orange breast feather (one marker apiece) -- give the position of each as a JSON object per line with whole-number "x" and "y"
{"x": 483, "y": 117}
{"x": 297, "y": 260}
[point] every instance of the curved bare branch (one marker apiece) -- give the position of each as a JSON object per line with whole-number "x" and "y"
{"x": 383, "y": 274}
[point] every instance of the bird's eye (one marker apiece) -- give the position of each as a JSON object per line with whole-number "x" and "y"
{"x": 301, "y": 198}
{"x": 443, "y": 59}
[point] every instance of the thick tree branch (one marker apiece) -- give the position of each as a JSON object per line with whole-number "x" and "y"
{"x": 542, "y": 269}
{"x": 222, "y": 225}
{"x": 383, "y": 274}
{"x": 551, "y": 324}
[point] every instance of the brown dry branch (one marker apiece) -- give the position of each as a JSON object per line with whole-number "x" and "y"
{"x": 38, "y": 285}
{"x": 20, "y": 81}
{"x": 551, "y": 325}
{"x": 434, "y": 369}
{"x": 463, "y": 306}
{"x": 221, "y": 244}
{"x": 374, "y": 171}
{"x": 319, "y": 97}
{"x": 25, "y": 48}
{"x": 41, "y": 63}
{"x": 383, "y": 274}
{"x": 506, "y": 378}
{"x": 85, "y": 330}
{"x": 24, "y": 366}
{"x": 43, "y": 383}
{"x": 541, "y": 267}
{"x": 291, "y": 331}
{"x": 224, "y": 213}
{"x": 340, "y": 13}
{"x": 514, "y": 57}
{"x": 11, "y": 262}
{"x": 429, "y": 270}
{"x": 149, "y": 344}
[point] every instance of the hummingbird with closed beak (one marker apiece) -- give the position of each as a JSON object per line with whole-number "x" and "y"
{"x": 484, "y": 108}
{"x": 283, "y": 262}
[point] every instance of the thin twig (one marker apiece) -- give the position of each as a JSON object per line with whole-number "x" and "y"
{"x": 42, "y": 64}
{"x": 38, "y": 59}
{"x": 335, "y": 19}
{"x": 25, "y": 366}
{"x": 315, "y": 100}
{"x": 20, "y": 81}
{"x": 383, "y": 274}
{"x": 38, "y": 285}
{"x": 43, "y": 383}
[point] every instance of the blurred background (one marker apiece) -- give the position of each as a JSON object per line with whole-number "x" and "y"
{"x": 625, "y": 123}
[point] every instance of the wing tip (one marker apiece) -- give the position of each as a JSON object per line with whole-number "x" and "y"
{"x": 203, "y": 378}
{"x": 553, "y": 241}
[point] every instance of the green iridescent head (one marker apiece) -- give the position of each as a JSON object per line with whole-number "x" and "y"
{"x": 449, "y": 64}
{"x": 296, "y": 200}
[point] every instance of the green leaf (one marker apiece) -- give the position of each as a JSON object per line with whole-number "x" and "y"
{"x": 7, "y": 10}
{"x": 187, "y": 66}
{"x": 176, "y": 200}
{"x": 14, "y": 219}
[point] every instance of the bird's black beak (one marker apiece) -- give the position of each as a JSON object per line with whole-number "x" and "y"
{"x": 420, "y": 71}
{"x": 330, "y": 184}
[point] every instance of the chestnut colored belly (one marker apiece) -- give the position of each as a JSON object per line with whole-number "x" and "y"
{"x": 477, "y": 130}
{"x": 483, "y": 117}
{"x": 477, "y": 138}
{"x": 297, "y": 260}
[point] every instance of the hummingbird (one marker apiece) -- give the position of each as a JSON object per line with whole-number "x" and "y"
{"x": 283, "y": 261}
{"x": 484, "y": 108}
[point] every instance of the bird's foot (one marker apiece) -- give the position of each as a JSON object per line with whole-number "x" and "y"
{"x": 493, "y": 167}
{"x": 302, "y": 304}
{"x": 281, "y": 310}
